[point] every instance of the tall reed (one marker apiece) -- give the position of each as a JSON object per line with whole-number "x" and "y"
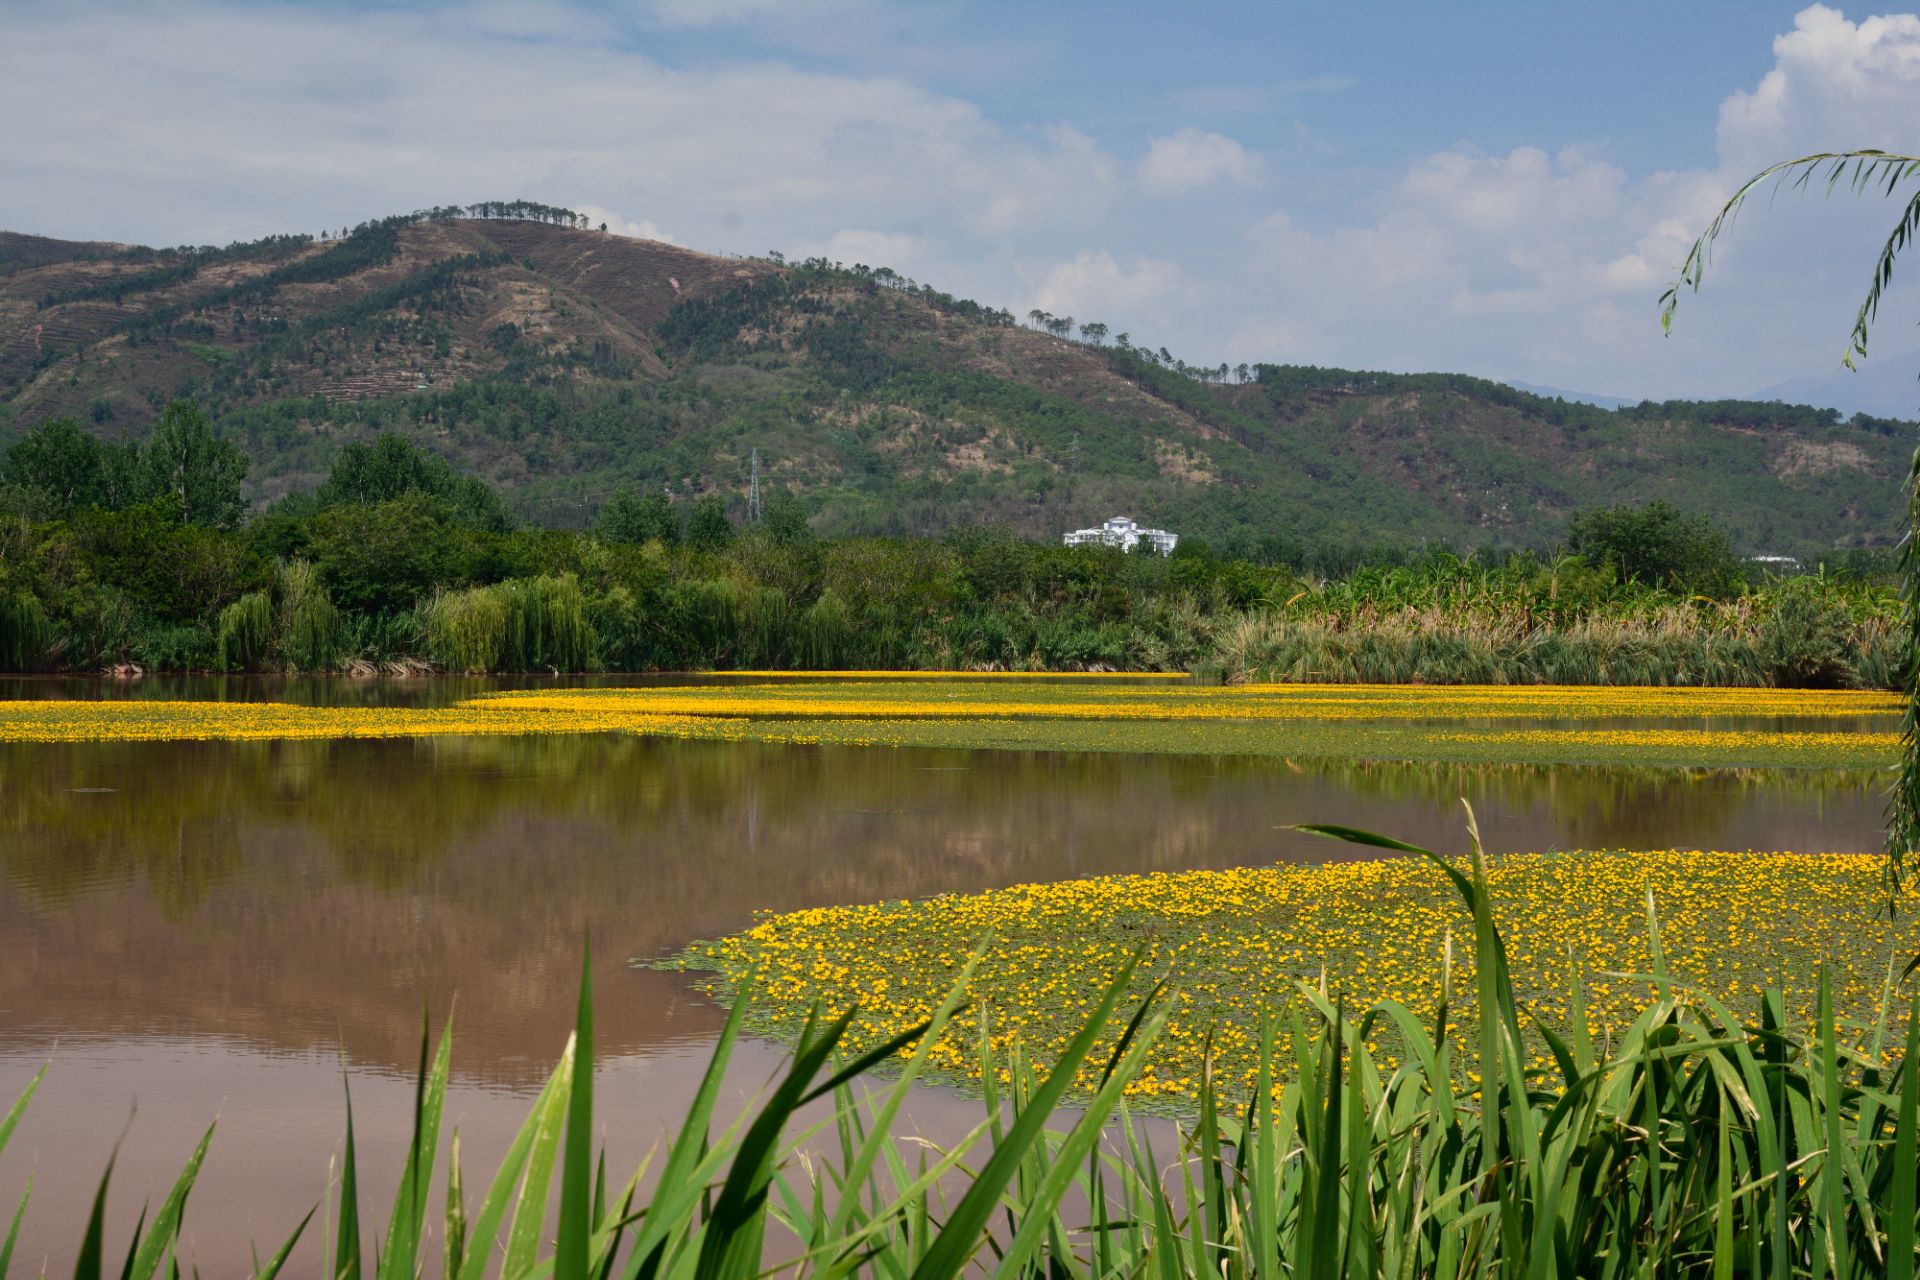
{"x": 1795, "y": 640}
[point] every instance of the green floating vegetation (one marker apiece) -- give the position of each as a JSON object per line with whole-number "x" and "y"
{"x": 1346, "y": 741}
{"x": 1671, "y": 728}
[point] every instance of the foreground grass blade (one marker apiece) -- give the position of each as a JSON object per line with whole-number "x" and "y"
{"x": 399, "y": 1260}
{"x": 346, "y": 1245}
{"x": 93, "y": 1244}
{"x": 166, "y": 1224}
{"x": 1906, "y": 1152}
{"x": 484, "y": 1232}
{"x": 530, "y": 1210}
{"x": 690, "y": 1146}
{"x": 13, "y": 1230}
{"x": 279, "y": 1260}
{"x": 1040, "y": 1214}
{"x": 19, "y": 1108}
{"x": 7, "y": 1126}
{"x": 453, "y": 1247}
{"x": 955, "y": 1245}
{"x": 576, "y": 1173}
{"x": 732, "y": 1245}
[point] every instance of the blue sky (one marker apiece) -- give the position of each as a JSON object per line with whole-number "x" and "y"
{"x": 1501, "y": 189}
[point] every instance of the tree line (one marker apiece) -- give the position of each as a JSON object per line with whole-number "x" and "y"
{"x": 147, "y": 556}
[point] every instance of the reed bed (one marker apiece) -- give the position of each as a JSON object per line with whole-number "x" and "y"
{"x": 1794, "y": 641}
{"x": 1697, "y": 1142}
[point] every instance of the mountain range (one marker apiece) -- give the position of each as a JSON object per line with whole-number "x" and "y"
{"x": 561, "y": 362}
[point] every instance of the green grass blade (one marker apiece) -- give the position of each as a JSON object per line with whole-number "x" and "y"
{"x": 19, "y": 1107}
{"x": 881, "y": 1133}
{"x": 484, "y": 1230}
{"x": 13, "y": 1231}
{"x": 166, "y": 1224}
{"x": 133, "y": 1245}
{"x": 530, "y": 1210}
{"x": 1906, "y": 1153}
{"x": 1833, "y": 1163}
{"x": 1723, "y": 1198}
{"x": 576, "y": 1172}
{"x": 346, "y": 1247}
{"x": 1041, "y": 1214}
{"x": 954, "y": 1246}
{"x": 400, "y": 1258}
{"x": 690, "y": 1144}
{"x": 453, "y": 1251}
{"x": 279, "y": 1260}
{"x": 1320, "y": 1203}
{"x": 736, "y": 1229}
{"x": 88, "y": 1265}
{"x": 867, "y": 1061}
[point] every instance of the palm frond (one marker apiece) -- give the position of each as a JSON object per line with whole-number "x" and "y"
{"x": 1863, "y": 172}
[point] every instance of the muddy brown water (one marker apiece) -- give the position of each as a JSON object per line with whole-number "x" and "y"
{"x": 192, "y": 930}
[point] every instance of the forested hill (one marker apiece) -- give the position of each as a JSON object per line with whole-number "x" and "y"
{"x": 561, "y": 362}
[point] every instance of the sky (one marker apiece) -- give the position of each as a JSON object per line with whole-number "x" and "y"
{"x": 1501, "y": 189}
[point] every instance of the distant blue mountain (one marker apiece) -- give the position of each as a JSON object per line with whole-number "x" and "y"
{"x": 1577, "y": 397}
{"x": 1886, "y": 387}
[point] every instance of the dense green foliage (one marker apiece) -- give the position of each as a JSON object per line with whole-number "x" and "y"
{"x": 116, "y": 555}
{"x": 1655, "y": 544}
{"x": 194, "y": 475}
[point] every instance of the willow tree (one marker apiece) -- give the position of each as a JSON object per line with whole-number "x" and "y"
{"x": 1863, "y": 173}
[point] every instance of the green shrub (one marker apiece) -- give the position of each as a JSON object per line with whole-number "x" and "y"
{"x": 1806, "y": 640}
{"x": 385, "y": 638}
{"x": 466, "y": 630}
{"x": 822, "y": 634}
{"x": 311, "y": 631}
{"x": 172, "y": 648}
{"x": 25, "y": 634}
{"x": 245, "y": 632}
{"x": 522, "y": 624}
{"x": 545, "y": 627}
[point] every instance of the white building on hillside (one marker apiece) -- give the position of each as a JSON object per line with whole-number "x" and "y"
{"x": 1123, "y": 533}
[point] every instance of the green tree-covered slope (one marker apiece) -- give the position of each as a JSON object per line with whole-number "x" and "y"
{"x": 561, "y": 362}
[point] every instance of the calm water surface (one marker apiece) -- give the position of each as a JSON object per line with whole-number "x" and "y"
{"x": 192, "y": 929}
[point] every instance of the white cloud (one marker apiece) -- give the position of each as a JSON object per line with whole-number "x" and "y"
{"x": 1834, "y": 84}
{"x": 645, "y": 228}
{"x": 1094, "y": 286}
{"x": 295, "y": 118}
{"x": 1548, "y": 265}
{"x": 734, "y": 13}
{"x": 1191, "y": 159}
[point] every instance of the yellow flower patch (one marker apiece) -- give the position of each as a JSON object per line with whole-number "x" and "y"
{"x": 1234, "y": 945}
{"x": 1518, "y": 725}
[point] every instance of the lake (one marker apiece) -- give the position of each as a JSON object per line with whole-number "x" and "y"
{"x": 192, "y": 929}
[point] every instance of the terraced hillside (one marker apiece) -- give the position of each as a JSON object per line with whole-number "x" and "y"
{"x": 561, "y": 362}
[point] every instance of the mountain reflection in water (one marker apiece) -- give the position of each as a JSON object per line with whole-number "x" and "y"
{"x": 316, "y": 892}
